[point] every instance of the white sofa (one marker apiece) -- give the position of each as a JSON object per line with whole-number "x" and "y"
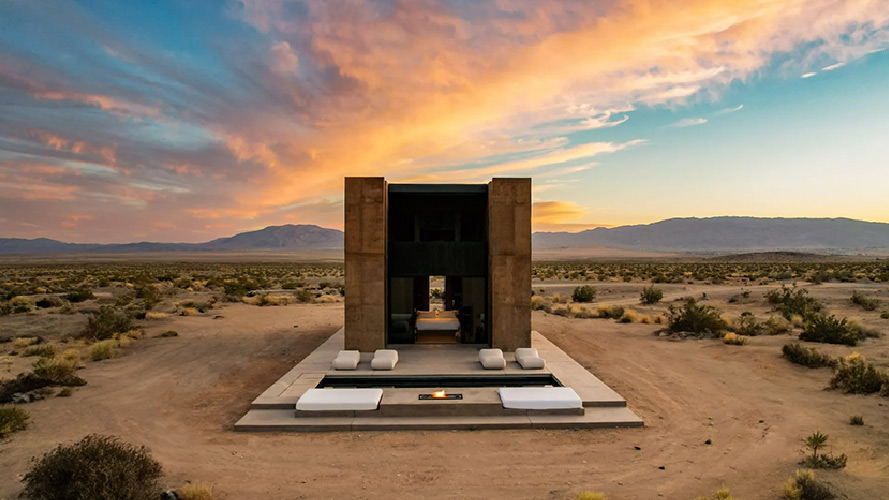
{"x": 346, "y": 360}
{"x": 529, "y": 359}
{"x": 491, "y": 359}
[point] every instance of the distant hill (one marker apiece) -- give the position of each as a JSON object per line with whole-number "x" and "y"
{"x": 713, "y": 235}
{"x": 280, "y": 238}
{"x": 729, "y": 234}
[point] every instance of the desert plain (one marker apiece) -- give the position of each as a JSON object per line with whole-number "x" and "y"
{"x": 715, "y": 414}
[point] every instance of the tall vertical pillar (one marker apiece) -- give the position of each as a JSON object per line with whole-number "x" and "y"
{"x": 509, "y": 262}
{"x": 365, "y": 260}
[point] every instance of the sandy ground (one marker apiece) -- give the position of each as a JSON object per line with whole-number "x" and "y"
{"x": 179, "y": 396}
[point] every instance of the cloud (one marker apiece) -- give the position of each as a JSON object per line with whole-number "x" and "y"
{"x": 726, "y": 111}
{"x": 559, "y": 216}
{"x": 809, "y": 74}
{"x": 833, "y": 66}
{"x": 689, "y": 122}
{"x": 284, "y": 59}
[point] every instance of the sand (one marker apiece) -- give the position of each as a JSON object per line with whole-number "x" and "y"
{"x": 179, "y": 396}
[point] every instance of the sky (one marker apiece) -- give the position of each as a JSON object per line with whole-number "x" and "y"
{"x": 189, "y": 120}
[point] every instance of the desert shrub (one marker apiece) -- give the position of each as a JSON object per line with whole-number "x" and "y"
{"x": 629, "y": 317}
{"x": 58, "y": 371}
{"x": 48, "y": 302}
{"x": 588, "y": 495}
{"x": 188, "y": 311}
{"x": 776, "y": 325}
{"x": 806, "y": 356}
{"x": 5, "y": 308}
{"x": 102, "y": 350}
{"x": 866, "y": 303}
{"x": 746, "y": 324}
{"x": 722, "y": 493}
{"x": 858, "y": 329}
{"x": 44, "y": 351}
{"x": 169, "y": 333}
{"x": 790, "y": 301}
{"x": 584, "y": 293}
{"x": 734, "y": 339}
{"x": 20, "y": 305}
{"x": 79, "y": 295}
{"x": 303, "y": 295}
{"x": 609, "y": 312}
{"x": 803, "y": 486}
{"x": 885, "y": 315}
{"x": 853, "y": 374}
{"x": 692, "y": 317}
{"x": 196, "y": 491}
{"x": 12, "y": 419}
{"x": 94, "y": 467}
{"x": 651, "y": 295}
{"x": 537, "y": 302}
{"x": 818, "y": 441}
{"x": 829, "y": 330}
{"x": 645, "y": 319}
{"x": 64, "y": 392}
{"x": 106, "y": 323}
{"x": 856, "y": 420}
{"x": 561, "y": 311}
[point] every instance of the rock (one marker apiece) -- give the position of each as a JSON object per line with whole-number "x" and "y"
{"x": 169, "y": 495}
{"x": 637, "y": 447}
{"x": 19, "y": 398}
{"x": 708, "y": 442}
{"x": 663, "y": 467}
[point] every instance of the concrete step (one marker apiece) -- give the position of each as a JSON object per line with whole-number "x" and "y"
{"x": 285, "y": 421}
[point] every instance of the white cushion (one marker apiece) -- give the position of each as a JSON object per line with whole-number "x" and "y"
{"x": 525, "y": 352}
{"x": 484, "y": 353}
{"x": 493, "y": 363}
{"x": 346, "y": 360}
{"x": 426, "y": 314}
{"x": 384, "y": 359}
{"x": 529, "y": 363}
{"x": 339, "y": 399}
{"x": 539, "y": 398}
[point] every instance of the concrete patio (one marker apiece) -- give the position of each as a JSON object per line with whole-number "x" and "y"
{"x": 274, "y": 409}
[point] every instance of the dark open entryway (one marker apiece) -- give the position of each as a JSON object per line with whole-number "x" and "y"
{"x": 437, "y": 230}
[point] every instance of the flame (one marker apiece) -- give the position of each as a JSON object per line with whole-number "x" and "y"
{"x": 439, "y": 394}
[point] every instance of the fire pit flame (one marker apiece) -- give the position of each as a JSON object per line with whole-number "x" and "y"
{"x": 439, "y": 394}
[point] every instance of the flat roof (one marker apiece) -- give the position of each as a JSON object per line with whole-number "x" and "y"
{"x": 438, "y": 188}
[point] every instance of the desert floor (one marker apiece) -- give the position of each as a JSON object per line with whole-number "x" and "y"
{"x": 180, "y": 396}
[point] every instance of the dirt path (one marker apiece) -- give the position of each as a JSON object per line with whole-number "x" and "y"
{"x": 179, "y": 396}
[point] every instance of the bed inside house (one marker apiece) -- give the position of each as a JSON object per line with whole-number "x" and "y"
{"x": 437, "y": 327}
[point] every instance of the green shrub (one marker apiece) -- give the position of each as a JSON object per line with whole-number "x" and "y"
{"x": 790, "y": 301}
{"x": 303, "y": 295}
{"x": 584, "y": 293}
{"x": 692, "y": 317}
{"x": 44, "y": 351}
{"x": 651, "y": 295}
{"x": 853, "y": 374}
{"x": 829, "y": 330}
{"x": 12, "y": 419}
{"x": 746, "y": 324}
{"x": 806, "y": 356}
{"x": 803, "y": 486}
{"x": 106, "y": 323}
{"x": 96, "y": 467}
{"x": 866, "y": 303}
{"x": 79, "y": 295}
{"x": 817, "y": 441}
{"x": 856, "y": 420}
{"x": 102, "y": 350}
{"x": 48, "y": 302}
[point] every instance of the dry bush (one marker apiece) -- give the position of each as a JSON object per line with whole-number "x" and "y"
{"x": 106, "y": 323}
{"x": 856, "y": 420}
{"x": 538, "y": 303}
{"x": 651, "y": 295}
{"x": 43, "y": 351}
{"x": 629, "y": 317}
{"x": 196, "y": 491}
{"x": 722, "y": 493}
{"x": 609, "y": 312}
{"x": 102, "y": 350}
{"x": 95, "y": 467}
{"x": 59, "y": 371}
{"x": 12, "y": 419}
{"x": 777, "y": 325}
{"x": 734, "y": 339}
{"x": 188, "y": 311}
{"x": 646, "y": 319}
{"x": 695, "y": 318}
{"x": 155, "y": 315}
{"x": 803, "y": 486}
{"x": 588, "y": 495}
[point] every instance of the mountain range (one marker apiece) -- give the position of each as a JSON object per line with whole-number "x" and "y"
{"x": 677, "y": 235}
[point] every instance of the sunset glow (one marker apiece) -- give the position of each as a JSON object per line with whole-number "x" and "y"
{"x": 187, "y": 121}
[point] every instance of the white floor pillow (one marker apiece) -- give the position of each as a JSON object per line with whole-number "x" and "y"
{"x": 339, "y": 399}
{"x": 539, "y": 398}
